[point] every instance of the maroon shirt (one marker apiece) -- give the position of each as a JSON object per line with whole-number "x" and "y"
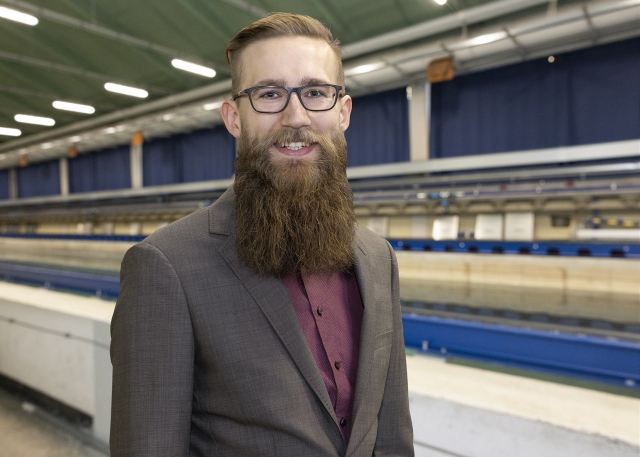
{"x": 329, "y": 309}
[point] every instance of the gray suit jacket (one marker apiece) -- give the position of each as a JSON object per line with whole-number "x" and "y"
{"x": 209, "y": 358}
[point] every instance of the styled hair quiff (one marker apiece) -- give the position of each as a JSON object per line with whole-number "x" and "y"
{"x": 278, "y": 25}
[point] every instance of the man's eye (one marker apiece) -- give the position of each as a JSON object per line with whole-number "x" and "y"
{"x": 315, "y": 93}
{"x": 270, "y": 94}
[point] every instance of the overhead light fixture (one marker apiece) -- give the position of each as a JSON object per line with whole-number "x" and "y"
{"x": 212, "y": 106}
{"x": 17, "y": 16}
{"x": 9, "y": 132}
{"x": 75, "y": 107}
{"x": 126, "y": 90}
{"x": 485, "y": 39}
{"x": 366, "y": 68}
{"x": 440, "y": 2}
{"x": 27, "y": 119}
{"x": 193, "y": 68}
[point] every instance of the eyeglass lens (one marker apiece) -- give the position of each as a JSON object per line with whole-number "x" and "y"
{"x": 273, "y": 99}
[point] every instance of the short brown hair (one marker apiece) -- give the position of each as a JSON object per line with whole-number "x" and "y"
{"x": 273, "y": 26}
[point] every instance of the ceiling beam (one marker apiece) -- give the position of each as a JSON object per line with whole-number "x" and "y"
{"x": 32, "y": 61}
{"x": 50, "y": 15}
{"x": 436, "y": 26}
{"x": 248, "y": 7}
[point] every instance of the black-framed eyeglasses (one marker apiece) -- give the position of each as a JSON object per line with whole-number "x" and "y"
{"x": 274, "y": 99}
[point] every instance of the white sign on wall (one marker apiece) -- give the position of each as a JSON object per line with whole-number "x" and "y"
{"x": 488, "y": 227}
{"x": 419, "y": 227}
{"x": 379, "y": 225}
{"x": 445, "y": 227}
{"x": 518, "y": 226}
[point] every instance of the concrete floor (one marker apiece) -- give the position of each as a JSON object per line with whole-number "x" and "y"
{"x": 28, "y": 432}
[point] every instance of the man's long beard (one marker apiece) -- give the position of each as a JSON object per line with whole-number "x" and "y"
{"x": 294, "y": 215}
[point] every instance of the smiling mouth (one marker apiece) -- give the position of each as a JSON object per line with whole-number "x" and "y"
{"x": 295, "y": 148}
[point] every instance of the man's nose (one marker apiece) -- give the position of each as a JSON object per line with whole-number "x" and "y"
{"x": 295, "y": 115}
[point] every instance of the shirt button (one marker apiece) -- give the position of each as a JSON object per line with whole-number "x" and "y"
{"x": 320, "y": 311}
{"x": 343, "y": 422}
{"x": 337, "y": 365}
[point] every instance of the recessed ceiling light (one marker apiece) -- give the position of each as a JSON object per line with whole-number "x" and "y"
{"x": 440, "y": 2}
{"x": 193, "y": 68}
{"x": 126, "y": 90}
{"x": 27, "y": 119}
{"x": 76, "y": 107}
{"x": 10, "y": 132}
{"x": 366, "y": 68}
{"x": 17, "y": 16}
{"x": 485, "y": 39}
{"x": 212, "y": 106}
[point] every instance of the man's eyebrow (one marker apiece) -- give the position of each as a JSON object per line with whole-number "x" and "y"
{"x": 271, "y": 82}
{"x": 281, "y": 82}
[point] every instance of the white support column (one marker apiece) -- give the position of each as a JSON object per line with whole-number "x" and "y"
{"x": 64, "y": 176}
{"x": 419, "y": 118}
{"x": 13, "y": 183}
{"x": 136, "y": 161}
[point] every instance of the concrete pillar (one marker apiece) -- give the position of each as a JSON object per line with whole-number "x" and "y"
{"x": 419, "y": 118}
{"x": 13, "y": 183}
{"x": 64, "y": 176}
{"x": 136, "y": 160}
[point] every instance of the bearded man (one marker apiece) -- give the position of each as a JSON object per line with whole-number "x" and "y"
{"x": 269, "y": 323}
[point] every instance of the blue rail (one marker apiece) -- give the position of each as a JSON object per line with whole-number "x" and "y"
{"x": 46, "y": 236}
{"x": 95, "y": 284}
{"x": 557, "y": 248}
{"x": 593, "y": 359}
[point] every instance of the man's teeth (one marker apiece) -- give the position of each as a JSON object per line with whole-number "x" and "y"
{"x": 294, "y": 146}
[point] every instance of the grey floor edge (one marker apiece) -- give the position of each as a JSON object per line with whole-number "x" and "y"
{"x": 27, "y": 431}
{"x": 445, "y": 428}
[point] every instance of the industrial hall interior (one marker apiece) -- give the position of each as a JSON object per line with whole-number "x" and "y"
{"x": 495, "y": 144}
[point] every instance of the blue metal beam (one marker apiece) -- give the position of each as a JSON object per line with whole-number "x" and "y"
{"x": 594, "y": 359}
{"x": 554, "y": 248}
{"x": 100, "y": 285}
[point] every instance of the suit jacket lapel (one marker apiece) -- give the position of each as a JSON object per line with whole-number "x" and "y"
{"x": 271, "y": 296}
{"x": 366, "y": 283}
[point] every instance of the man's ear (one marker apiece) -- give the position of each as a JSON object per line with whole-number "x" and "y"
{"x": 231, "y": 118}
{"x": 345, "y": 112}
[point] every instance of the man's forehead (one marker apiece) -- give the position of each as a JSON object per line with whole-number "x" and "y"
{"x": 299, "y": 60}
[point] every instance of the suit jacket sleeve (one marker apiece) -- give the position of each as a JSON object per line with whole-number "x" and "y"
{"x": 395, "y": 431}
{"x": 152, "y": 353}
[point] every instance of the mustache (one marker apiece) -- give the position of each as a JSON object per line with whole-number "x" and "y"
{"x": 290, "y": 135}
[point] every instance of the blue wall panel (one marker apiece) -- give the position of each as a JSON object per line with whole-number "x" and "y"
{"x": 39, "y": 179}
{"x": 197, "y": 156}
{"x": 108, "y": 169}
{"x": 379, "y": 130}
{"x": 4, "y": 184}
{"x": 586, "y": 96}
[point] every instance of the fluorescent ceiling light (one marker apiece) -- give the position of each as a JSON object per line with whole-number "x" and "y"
{"x": 17, "y": 16}
{"x": 440, "y": 2}
{"x": 212, "y": 106}
{"x": 364, "y": 68}
{"x": 193, "y": 68}
{"x": 10, "y": 132}
{"x": 26, "y": 119}
{"x": 485, "y": 39}
{"x": 75, "y": 107}
{"x": 126, "y": 90}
